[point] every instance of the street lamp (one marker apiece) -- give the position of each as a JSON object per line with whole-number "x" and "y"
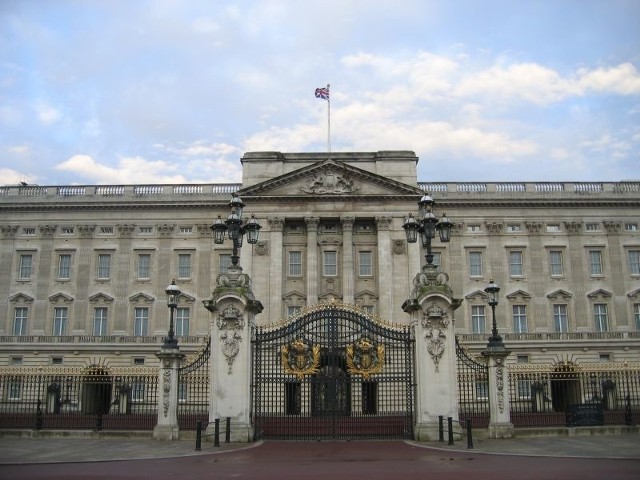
{"x": 426, "y": 226}
{"x": 495, "y": 340}
{"x": 173, "y": 295}
{"x": 234, "y": 228}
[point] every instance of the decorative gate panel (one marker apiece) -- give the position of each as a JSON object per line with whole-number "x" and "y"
{"x": 473, "y": 389}
{"x": 193, "y": 390}
{"x": 333, "y": 373}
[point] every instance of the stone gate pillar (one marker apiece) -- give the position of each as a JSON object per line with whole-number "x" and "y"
{"x": 167, "y": 426}
{"x": 233, "y": 309}
{"x": 500, "y": 425}
{"x": 431, "y": 307}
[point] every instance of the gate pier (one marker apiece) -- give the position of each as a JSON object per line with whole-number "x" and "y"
{"x": 233, "y": 307}
{"x": 431, "y": 306}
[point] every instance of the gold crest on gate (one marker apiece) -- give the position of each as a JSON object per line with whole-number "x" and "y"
{"x": 365, "y": 357}
{"x": 300, "y": 358}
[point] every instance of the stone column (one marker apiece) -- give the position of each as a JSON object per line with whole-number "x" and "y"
{"x": 500, "y": 425}
{"x": 385, "y": 288}
{"x": 275, "y": 267}
{"x": 167, "y": 426}
{"x": 347, "y": 260}
{"x": 431, "y": 307}
{"x": 312, "y": 259}
{"x": 233, "y": 309}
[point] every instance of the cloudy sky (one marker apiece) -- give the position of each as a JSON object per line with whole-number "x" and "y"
{"x": 169, "y": 91}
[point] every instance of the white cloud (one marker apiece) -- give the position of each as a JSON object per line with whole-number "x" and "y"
{"x": 47, "y": 114}
{"x": 623, "y": 79}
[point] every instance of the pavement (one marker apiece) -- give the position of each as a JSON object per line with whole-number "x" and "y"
{"x": 15, "y": 450}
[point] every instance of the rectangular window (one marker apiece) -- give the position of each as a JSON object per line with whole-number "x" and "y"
{"x": 555, "y": 263}
{"x": 60, "y": 315}
{"x": 595, "y": 262}
{"x": 330, "y": 263}
{"x": 100, "y": 321}
{"x": 104, "y": 266}
{"x": 365, "y": 267}
{"x": 437, "y": 260}
{"x": 513, "y": 228}
{"x": 553, "y": 228}
{"x": 182, "y": 392}
{"x": 14, "y": 390}
{"x": 477, "y": 319}
{"x": 182, "y": 322}
{"x": 520, "y": 318}
{"x": 146, "y": 230}
{"x": 636, "y": 315}
{"x": 24, "y": 269}
{"x": 560, "y": 318}
{"x": 141, "y": 321}
{"x": 524, "y": 388}
{"x": 631, "y": 227}
{"x": 225, "y": 262}
{"x": 184, "y": 265}
{"x": 144, "y": 265}
{"x": 515, "y": 263}
{"x": 601, "y": 317}
{"x": 482, "y": 390}
{"x": 20, "y": 321}
{"x": 475, "y": 264}
{"x": 295, "y": 264}
{"x": 293, "y": 310}
{"x": 64, "y": 266}
{"x": 186, "y": 230}
{"x": 634, "y": 262}
{"x": 137, "y": 392}
{"x": 592, "y": 227}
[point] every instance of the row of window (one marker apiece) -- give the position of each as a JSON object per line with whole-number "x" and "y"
{"x": 560, "y": 318}
{"x": 100, "y": 321}
{"x": 552, "y": 227}
{"x": 329, "y": 264}
{"x": 104, "y": 263}
{"x": 555, "y": 259}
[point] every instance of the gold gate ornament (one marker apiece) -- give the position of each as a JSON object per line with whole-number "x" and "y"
{"x": 299, "y": 358}
{"x": 365, "y": 357}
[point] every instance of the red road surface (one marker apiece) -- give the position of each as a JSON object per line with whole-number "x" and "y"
{"x": 337, "y": 461}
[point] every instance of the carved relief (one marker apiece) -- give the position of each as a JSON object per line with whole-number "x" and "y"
{"x": 573, "y": 228}
{"x": 398, "y": 247}
{"x": 230, "y": 319}
{"x": 533, "y": 227}
{"x": 165, "y": 229}
{"x": 47, "y": 230}
{"x": 436, "y": 323}
{"x": 384, "y": 223}
{"x": 126, "y": 231}
{"x": 166, "y": 390}
{"x": 494, "y": 228}
{"x": 500, "y": 383}
{"x": 612, "y": 227}
{"x": 230, "y": 343}
{"x": 262, "y": 247}
{"x": 86, "y": 231}
{"x": 276, "y": 223}
{"x": 329, "y": 182}
{"x": 8, "y": 231}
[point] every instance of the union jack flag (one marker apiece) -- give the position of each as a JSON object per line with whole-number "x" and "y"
{"x": 323, "y": 93}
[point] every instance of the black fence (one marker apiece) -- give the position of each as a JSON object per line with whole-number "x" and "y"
{"x": 473, "y": 389}
{"x": 569, "y": 394}
{"x": 93, "y": 398}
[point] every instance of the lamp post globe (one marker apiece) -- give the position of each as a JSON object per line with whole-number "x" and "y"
{"x": 173, "y": 295}
{"x": 492, "y": 290}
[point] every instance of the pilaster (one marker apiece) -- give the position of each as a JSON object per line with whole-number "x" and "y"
{"x": 167, "y": 426}
{"x": 500, "y": 425}
{"x": 312, "y": 259}
{"x": 385, "y": 292}
{"x": 347, "y": 260}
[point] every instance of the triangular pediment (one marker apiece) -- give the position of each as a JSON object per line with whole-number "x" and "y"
{"x": 141, "y": 297}
{"x": 600, "y": 293}
{"x": 101, "y": 298}
{"x": 21, "y": 298}
{"x": 327, "y": 179}
{"x": 60, "y": 298}
{"x": 559, "y": 294}
{"x": 478, "y": 295}
{"x": 634, "y": 294}
{"x": 519, "y": 295}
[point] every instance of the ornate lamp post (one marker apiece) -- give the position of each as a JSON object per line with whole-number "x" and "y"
{"x": 173, "y": 295}
{"x": 235, "y": 229}
{"x": 495, "y": 340}
{"x": 426, "y": 226}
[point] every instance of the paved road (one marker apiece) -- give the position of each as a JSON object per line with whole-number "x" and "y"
{"x": 337, "y": 461}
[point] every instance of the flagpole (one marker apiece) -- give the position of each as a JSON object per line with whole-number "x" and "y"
{"x": 328, "y": 121}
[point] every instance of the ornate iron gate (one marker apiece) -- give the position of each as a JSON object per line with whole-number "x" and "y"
{"x": 193, "y": 389}
{"x": 333, "y": 373}
{"x": 473, "y": 388}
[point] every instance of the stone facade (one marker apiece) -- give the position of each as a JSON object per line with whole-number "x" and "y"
{"x": 84, "y": 268}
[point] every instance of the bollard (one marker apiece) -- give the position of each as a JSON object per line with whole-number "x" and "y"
{"x": 227, "y": 433}
{"x": 198, "y": 436}
{"x": 216, "y": 433}
{"x": 450, "y": 427}
{"x": 469, "y": 434}
{"x": 440, "y": 428}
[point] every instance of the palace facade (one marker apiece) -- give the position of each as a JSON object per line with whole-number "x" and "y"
{"x": 84, "y": 268}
